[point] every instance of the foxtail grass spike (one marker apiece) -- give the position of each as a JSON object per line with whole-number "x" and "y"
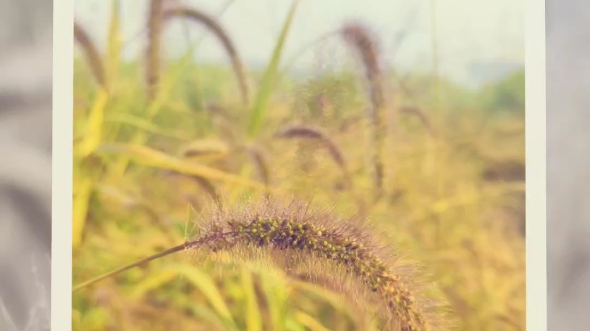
{"x": 311, "y": 132}
{"x": 295, "y": 233}
{"x": 359, "y": 40}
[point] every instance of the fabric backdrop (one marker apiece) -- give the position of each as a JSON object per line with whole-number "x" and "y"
{"x": 568, "y": 164}
{"x": 25, "y": 169}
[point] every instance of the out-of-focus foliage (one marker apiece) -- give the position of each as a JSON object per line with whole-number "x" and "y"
{"x": 506, "y": 95}
{"x": 453, "y": 202}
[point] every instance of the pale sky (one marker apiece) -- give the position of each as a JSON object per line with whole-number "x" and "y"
{"x": 466, "y": 30}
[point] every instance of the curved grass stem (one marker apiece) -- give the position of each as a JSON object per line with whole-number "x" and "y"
{"x": 129, "y": 266}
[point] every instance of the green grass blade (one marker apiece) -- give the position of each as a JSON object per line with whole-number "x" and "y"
{"x": 309, "y": 322}
{"x": 83, "y": 188}
{"x": 153, "y": 282}
{"x": 207, "y": 287}
{"x": 153, "y": 158}
{"x": 276, "y": 294}
{"x": 269, "y": 78}
{"x": 205, "y": 314}
{"x": 253, "y": 318}
{"x": 94, "y": 127}
{"x": 199, "y": 279}
{"x": 147, "y": 126}
{"x": 329, "y": 297}
{"x": 169, "y": 82}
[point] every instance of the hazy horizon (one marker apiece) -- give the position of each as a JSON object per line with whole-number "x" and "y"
{"x": 468, "y": 31}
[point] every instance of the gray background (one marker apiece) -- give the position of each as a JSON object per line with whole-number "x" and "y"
{"x": 568, "y": 164}
{"x": 25, "y": 169}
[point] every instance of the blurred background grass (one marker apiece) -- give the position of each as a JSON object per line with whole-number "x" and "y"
{"x": 453, "y": 201}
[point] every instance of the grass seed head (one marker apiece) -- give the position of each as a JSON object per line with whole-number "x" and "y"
{"x": 360, "y": 41}
{"x": 299, "y": 234}
{"x": 314, "y": 133}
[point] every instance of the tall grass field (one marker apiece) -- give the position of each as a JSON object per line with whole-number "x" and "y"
{"x": 227, "y": 197}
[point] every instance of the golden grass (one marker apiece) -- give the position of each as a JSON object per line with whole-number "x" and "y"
{"x": 445, "y": 205}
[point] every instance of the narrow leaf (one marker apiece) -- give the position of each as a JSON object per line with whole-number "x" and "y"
{"x": 153, "y": 158}
{"x": 269, "y": 78}
{"x": 253, "y": 318}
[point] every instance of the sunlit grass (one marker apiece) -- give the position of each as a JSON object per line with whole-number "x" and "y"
{"x": 437, "y": 207}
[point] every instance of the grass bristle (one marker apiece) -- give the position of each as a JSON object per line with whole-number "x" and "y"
{"x": 91, "y": 53}
{"x": 215, "y": 27}
{"x": 298, "y": 234}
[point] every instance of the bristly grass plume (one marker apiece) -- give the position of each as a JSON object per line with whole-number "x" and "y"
{"x": 360, "y": 41}
{"x": 302, "y": 131}
{"x": 314, "y": 133}
{"x": 294, "y": 234}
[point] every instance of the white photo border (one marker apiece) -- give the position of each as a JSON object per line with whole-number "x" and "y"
{"x": 536, "y": 161}
{"x": 62, "y": 165}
